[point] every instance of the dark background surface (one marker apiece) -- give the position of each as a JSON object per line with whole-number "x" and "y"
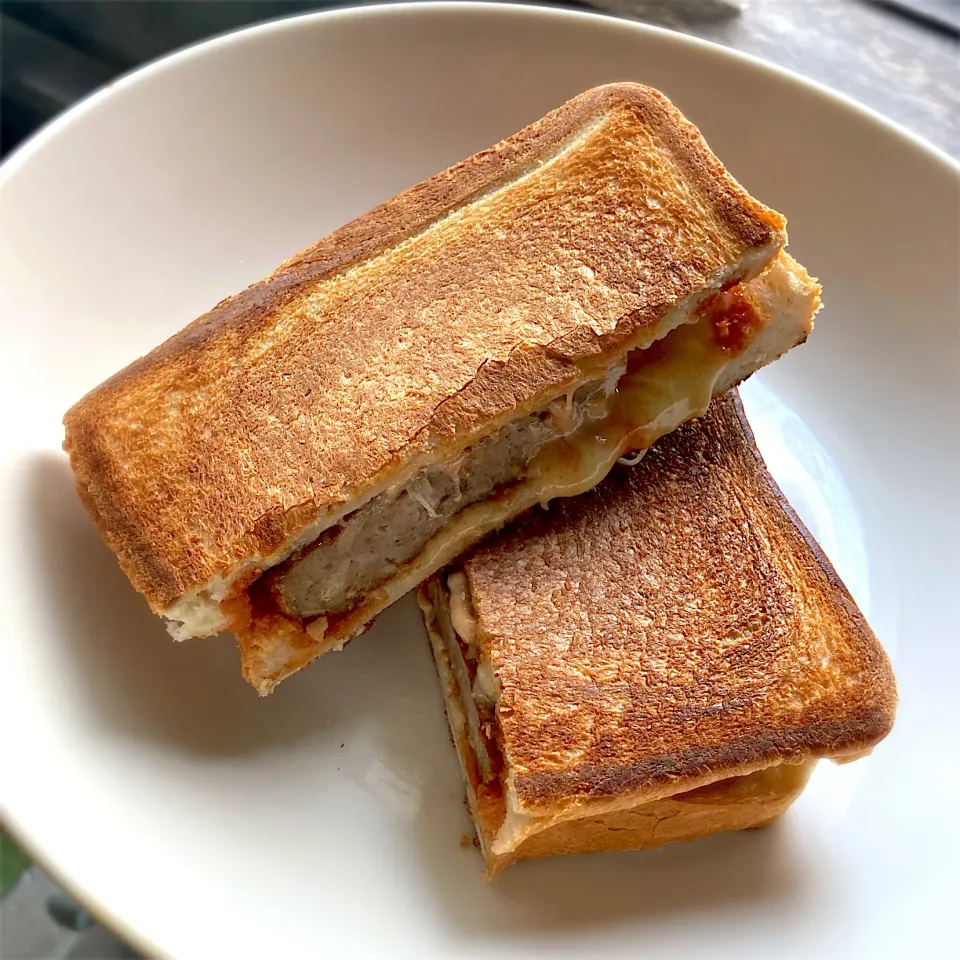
{"x": 54, "y": 52}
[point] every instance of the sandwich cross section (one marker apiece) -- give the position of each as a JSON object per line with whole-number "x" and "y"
{"x": 288, "y": 465}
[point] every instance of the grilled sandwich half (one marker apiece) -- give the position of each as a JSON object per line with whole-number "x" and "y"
{"x": 660, "y": 659}
{"x": 309, "y": 450}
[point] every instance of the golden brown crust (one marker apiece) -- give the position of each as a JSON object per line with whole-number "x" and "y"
{"x": 413, "y": 327}
{"x": 731, "y": 803}
{"x": 678, "y": 620}
{"x": 738, "y": 803}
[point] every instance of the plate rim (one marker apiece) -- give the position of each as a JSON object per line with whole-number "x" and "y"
{"x": 37, "y": 140}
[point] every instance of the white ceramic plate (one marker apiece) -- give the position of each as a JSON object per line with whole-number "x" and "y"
{"x": 204, "y": 822}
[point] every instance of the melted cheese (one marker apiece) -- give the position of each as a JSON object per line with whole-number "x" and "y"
{"x": 655, "y": 395}
{"x": 461, "y": 610}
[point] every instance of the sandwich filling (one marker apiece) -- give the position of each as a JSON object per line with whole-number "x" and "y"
{"x": 561, "y": 450}
{"x": 331, "y": 588}
{"x": 369, "y": 545}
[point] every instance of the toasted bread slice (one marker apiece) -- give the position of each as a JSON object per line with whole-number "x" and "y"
{"x": 675, "y": 627}
{"x": 576, "y": 443}
{"x": 737, "y": 803}
{"x": 466, "y": 304}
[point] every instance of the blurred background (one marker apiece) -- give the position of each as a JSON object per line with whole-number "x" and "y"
{"x": 898, "y": 56}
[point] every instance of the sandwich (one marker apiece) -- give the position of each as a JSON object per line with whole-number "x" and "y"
{"x": 663, "y": 658}
{"x": 296, "y": 459}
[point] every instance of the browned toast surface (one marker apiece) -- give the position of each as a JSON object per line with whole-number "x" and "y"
{"x": 473, "y": 296}
{"x": 738, "y": 803}
{"x": 674, "y": 623}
